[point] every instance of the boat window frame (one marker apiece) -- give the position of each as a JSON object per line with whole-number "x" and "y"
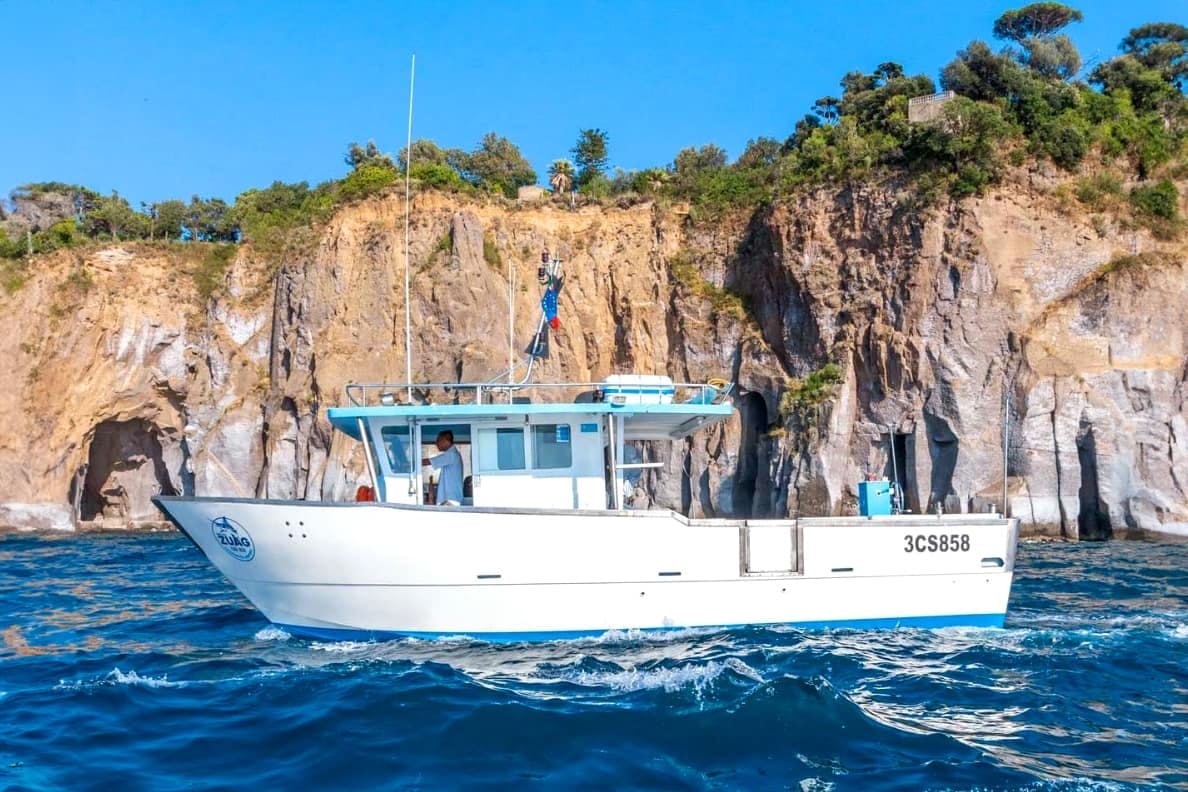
{"x": 552, "y": 469}
{"x": 480, "y": 433}
{"x": 396, "y": 429}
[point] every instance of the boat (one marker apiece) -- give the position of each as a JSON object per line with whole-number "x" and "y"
{"x": 545, "y": 543}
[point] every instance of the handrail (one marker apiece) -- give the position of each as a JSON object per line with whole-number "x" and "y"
{"x": 364, "y": 394}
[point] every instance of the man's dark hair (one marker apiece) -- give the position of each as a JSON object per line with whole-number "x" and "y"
{"x": 447, "y": 434}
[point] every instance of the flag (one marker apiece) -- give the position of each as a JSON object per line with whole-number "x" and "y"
{"x": 548, "y": 304}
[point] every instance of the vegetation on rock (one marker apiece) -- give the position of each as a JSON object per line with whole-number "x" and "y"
{"x": 1022, "y": 103}
{"x": 683, "y": 270}
{"x": 590, "y": 156}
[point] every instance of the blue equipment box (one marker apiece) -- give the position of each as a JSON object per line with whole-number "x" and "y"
{"x": 874, "y": 498}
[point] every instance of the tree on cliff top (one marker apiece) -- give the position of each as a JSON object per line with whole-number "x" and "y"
{"x": 358, "y": 156}
{"x": 561, "y": 176}
{"x": 427, "y": 152}
{"x": 498, "y": 165}
{"x": 113, "y": 216}
{"x": 1034, "y": 28}
{"x": 171, "y": 216}
{"x": 1163, "y": 47}
{"x": 1038, "y": 20}
{"x": 590, "y": 155}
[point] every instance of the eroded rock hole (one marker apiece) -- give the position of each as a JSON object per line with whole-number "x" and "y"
{"x": 125, "y": 467}
{"x": 1093, "y": 521}
{"x": 901, "y": 469}
{"x": 752, "y": 484}
{"x": 943, "y": 448}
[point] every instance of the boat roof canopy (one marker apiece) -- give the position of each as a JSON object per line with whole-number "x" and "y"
{"x": 640, "y": 421}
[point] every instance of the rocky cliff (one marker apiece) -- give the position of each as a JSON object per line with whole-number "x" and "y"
{"x": 868, "y": 336}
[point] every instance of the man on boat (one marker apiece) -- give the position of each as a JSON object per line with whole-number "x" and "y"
{"x": 449, "y": 463}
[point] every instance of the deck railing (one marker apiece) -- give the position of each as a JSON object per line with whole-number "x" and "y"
{"x": 360, "y": 394}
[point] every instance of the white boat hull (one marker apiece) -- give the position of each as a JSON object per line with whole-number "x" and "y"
{"x": 347, "y": 570}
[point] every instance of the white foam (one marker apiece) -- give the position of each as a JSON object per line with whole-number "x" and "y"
{"x": 816, "y": 785}
{"x": 118, "y": 677}
{"x": 699, "y": 677}
{"x": 272, "y": 633}
{"x": 132, "y": 678}
{"x": 1179, "y": 631}
{"x": 648, "y": 636}
{"x": 343, "y": 647}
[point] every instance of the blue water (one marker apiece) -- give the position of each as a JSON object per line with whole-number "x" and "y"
{"x": 128, "y": 663}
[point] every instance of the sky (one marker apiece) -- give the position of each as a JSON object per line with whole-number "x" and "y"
{"x": 160, "y": 100}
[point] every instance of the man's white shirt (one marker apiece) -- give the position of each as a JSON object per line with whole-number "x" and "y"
{"x": 449, "y": 482}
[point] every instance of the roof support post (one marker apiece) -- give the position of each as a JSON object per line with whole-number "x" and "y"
{"x": 414, "y": 460}
{"x": 367, "y": 455}
{"x": 613, "y": 459}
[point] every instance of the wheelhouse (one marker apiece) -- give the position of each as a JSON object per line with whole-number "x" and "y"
{"x": 520, "y": 453}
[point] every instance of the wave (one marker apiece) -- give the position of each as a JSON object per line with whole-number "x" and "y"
{"x": 118, "y": 677}
{"x": 272, "y": 633}
{"x": 697, "y": 677}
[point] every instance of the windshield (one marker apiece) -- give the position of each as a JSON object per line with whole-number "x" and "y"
{"x": 397, "y": 447}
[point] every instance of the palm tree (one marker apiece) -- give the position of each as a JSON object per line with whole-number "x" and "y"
{"x": 561, "y": 176}
{"x": 655, "y": 179}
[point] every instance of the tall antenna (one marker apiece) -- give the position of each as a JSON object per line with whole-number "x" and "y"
{"x": 412, "y": 75}
{"x": 1007, "y": 387}
{"x": 511, "y": 324}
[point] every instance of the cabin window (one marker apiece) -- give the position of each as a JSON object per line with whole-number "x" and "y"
{"x": 551, "y": 447}
{"x": 396, "y": 444}
{"x": 501, "y": 449}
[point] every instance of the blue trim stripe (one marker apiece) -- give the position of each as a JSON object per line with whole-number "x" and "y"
{"x": 653, "y": 391}
{"x": 344, "y": 419}
{"x": 919, "y": 622}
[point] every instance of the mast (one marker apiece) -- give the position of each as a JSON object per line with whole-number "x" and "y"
{"x": 1006, "y": 440}
{"x": 412, "y": 73}
{"x": 511, "y": 325}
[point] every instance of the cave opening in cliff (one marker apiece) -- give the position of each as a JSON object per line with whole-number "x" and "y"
{"x": 1093, "y": 521}
{"x": 900, "y": 469}
{"x": 125, "y": 467}
{"x": 943, "y": 447}
{"x": 751, "y": 479}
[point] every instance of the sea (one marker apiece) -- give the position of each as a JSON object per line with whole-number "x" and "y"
{"x": 128, "y": 663}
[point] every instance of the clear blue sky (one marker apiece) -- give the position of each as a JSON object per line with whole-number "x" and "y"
{"x": 169, "y": 99}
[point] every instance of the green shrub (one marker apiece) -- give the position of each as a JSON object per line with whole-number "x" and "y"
{"x": 435, "y": 175}
{"x": 1139, "y": 261}
{"x": 1065, "y": 139}
{"x": 13, "y": 274}
{"x": 1159, "y": 200}
{"x": 730, "y": 187}
{"x": 365, "y": 181}
{"x": 80, "y": 280}
{"x": 1096, "y": 192}
{"x": 491, "y": 252}
{"x": 211, "y": 270}
{"x": 971, "y": 180}
{"x": 813, "y": 390}
{"x": 597, "y": 186}
{"x": 683, "y": 270}
{"x": 11, "y": 248}
{"x": 63, "y": 233}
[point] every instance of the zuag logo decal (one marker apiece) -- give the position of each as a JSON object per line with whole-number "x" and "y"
{"x": 234, "y": 538}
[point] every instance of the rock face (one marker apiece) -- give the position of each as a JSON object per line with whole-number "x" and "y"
{"x": 942, "y": 324}
{"x": 36, "y": 212}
